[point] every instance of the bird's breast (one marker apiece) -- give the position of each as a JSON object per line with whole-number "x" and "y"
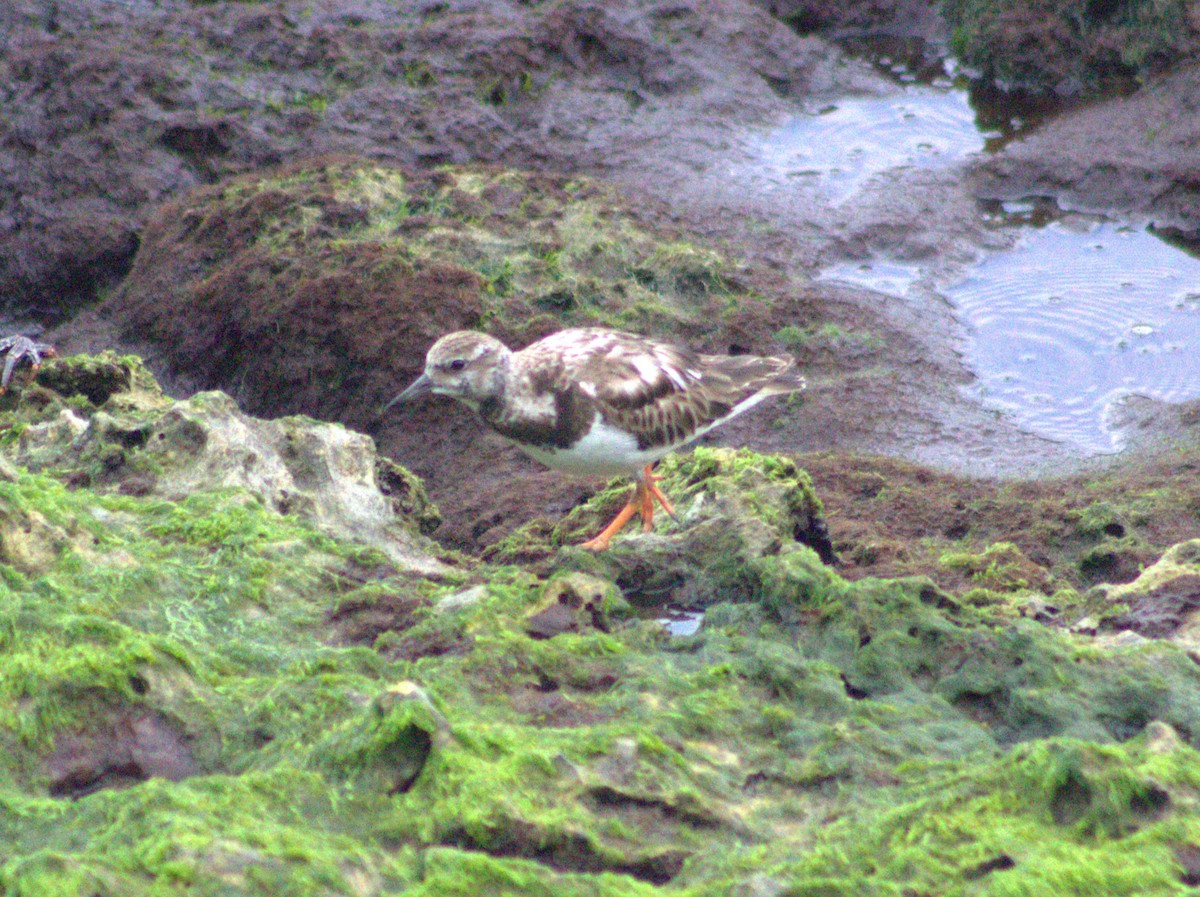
{"x": 603, "y": 450}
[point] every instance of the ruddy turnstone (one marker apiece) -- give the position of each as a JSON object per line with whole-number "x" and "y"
{"x": 601, "y": 402}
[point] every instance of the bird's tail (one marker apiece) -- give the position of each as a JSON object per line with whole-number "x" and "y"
{"x": 770, "y": 374}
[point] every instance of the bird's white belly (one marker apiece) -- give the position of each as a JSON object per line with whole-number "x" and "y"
{"x": 603, "y": 451}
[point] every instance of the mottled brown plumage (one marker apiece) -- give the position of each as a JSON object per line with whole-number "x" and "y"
{"x": 590, "y": 400}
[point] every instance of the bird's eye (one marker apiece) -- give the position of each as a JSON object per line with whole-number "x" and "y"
{"x": 457, "y": 364}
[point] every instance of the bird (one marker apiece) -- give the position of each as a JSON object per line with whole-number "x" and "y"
{"x": 601, "y": 402}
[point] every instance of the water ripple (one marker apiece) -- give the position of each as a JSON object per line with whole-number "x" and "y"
{"x": 844, "y": 145}
{"x": 1070, "y": 322}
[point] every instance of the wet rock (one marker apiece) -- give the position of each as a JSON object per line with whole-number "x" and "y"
{"x": 117, "y": 753}
{"x": 152, "y": 100}
{"x": 361, "y": 621}
{"x": 733, "y": 507}
{"x": 1147, "y": 167}
{"x": 573, "y": 602}
{"x": 328, "y": 321}
{"x": 1164, "y": 601}
{"x": 144, "y": 443}
{"x": 1056, "y": 46}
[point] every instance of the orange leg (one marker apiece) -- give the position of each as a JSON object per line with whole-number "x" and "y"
{"x": 652, "y": 491}
{"x": 642, "y": 501}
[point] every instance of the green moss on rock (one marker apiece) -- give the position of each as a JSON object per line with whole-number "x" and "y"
{"x": 205, "y": 693}
{"x": 318, "y": 286}
{"x": 1070, "y": 47}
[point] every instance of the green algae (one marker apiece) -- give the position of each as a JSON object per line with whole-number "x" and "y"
{"x": 1048, "y": 45}
{"x": 1061, "y": 817}
{"x": 180, "y": 668}
{"x": 1001, "y": 567}
{"x": 566, "y": 244}
{"x": 738, "y": 499}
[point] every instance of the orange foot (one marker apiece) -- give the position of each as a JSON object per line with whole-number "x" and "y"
{"x": 642, "y": 500}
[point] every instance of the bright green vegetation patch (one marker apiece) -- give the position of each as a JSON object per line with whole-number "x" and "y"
{"x": 1053, "y": 817}
{"x": 828, "y": 337}
{"x": 175, "y": 606}
{"x": 205, "y": 696}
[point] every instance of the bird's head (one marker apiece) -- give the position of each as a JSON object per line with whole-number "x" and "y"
{"x": 465, "y": 365}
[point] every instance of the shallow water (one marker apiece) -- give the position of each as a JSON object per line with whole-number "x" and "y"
{"x": 840, "y": 147}
{"x": 1079, "y": 314}
{"x": 1067, "y": 323}
{"x": 681, "y": 623}
{"x": 1070, "y": 322}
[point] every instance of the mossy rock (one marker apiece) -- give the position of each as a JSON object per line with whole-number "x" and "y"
{"x": 731, "y": 506}
{"x": 141, "y": 442}
{"x": 318, "y": 286}
{"x": 1072, "y": 48}
{"x": 200, "y": 693}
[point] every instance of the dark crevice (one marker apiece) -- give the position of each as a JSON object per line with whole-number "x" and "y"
{"x": 407, "y": 755}
{"x": 1072, "y": 798}
{"x": 995, "y": 864}
{"x": 605, "y": 796}
{"x": 813, "y": 532}
{"x": 568, "y": 853}
{"x": 852, "y": 691}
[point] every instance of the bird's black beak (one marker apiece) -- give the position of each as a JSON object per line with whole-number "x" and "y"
{"x": 422, "y": 386}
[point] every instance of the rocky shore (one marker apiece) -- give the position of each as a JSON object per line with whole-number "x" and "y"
{"x": 258, "y": 638}
{"x": 232, "y": 662}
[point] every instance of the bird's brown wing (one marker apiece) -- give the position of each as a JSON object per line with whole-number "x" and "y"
{"x": 665, "y": 394}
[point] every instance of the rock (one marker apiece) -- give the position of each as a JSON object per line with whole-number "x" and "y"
{"x": 29, "y": 543}
{"x": 456, "y": 601}
{"x": 574, "y": 602}
{"x": 1145, "y": 168}
{"x": 144, "y": 443}
{"x": 321, "y": 472}
{"x": 1055, "y": 46}
{"x": 1161, "y": 738}
{"x": 8, "y": 472}
{"x": 733, "y": 508}
{"x": 117, "y": 752}
{"x": 1164, "y": 601}
{"x": 400, "y": 693}
{"x": 160, "y": 102}
{"x": 360, "y": 621}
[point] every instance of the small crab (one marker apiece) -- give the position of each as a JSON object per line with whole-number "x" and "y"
{"x": 20, "y": 347}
